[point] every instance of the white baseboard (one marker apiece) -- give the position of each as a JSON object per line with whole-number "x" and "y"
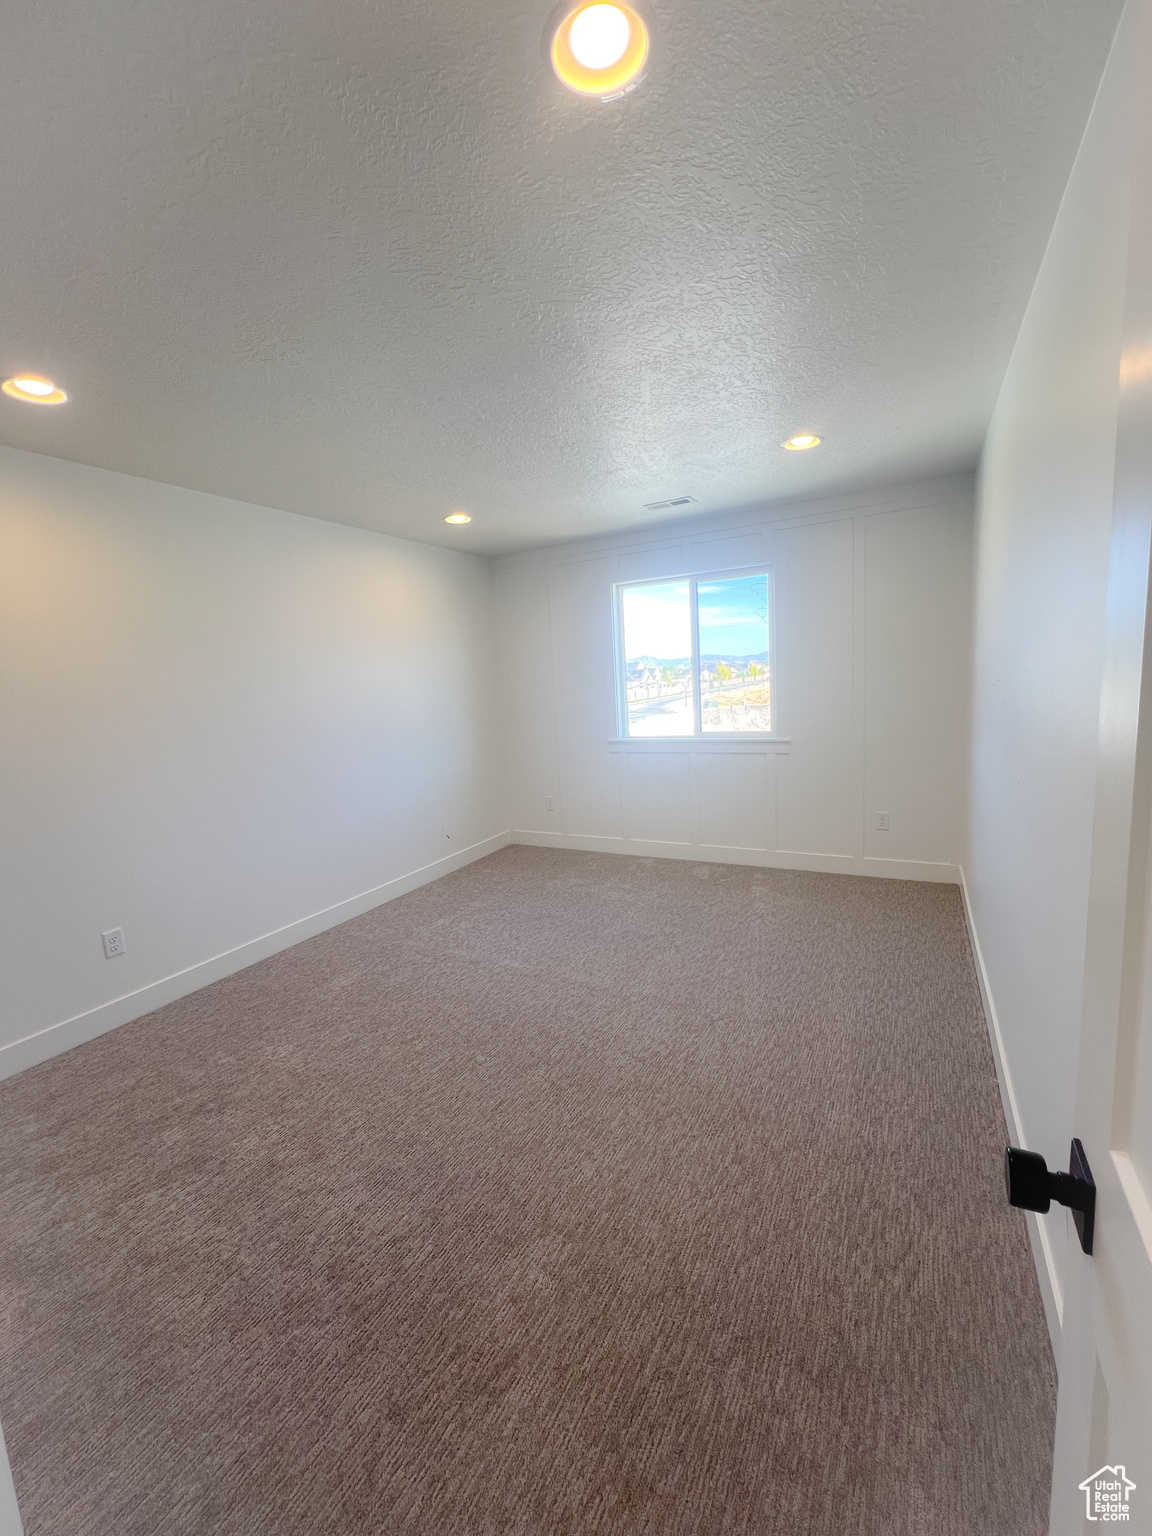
{"x": 57, "y": 1038}
{"x": 1042, "y": 1255}
{"x": 818, "y": 863}
{"x": 51, "y": 1041}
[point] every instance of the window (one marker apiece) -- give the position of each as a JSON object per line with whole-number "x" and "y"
{"x": 695, "y": 656}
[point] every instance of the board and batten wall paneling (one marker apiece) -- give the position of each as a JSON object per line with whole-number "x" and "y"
{"x": 737, "y": 799}
{"x": 873, "y": 637}
{"x": 658, "y": 807}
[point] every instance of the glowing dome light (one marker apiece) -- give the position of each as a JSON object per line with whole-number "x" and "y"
{"x": 34, "y": 389}
{"x": 599, "y": 49}
{"x": 599, "y": 35}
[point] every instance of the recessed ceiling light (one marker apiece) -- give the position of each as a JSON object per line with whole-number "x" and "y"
{"x": 598, "y": 36}
{"x": 457, "y": 517}
{"x": 599, "y": 49}
{"x": 803, "y": 440}
{"x": 32, "y": 388}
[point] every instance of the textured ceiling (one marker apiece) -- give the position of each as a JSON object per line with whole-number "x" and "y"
{"x": 369, "y": 262}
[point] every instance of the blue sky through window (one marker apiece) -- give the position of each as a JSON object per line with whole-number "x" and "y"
{"x": 734, "y": 616}
{"x": 733, "y": 619}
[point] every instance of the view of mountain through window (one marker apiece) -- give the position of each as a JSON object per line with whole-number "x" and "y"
{"x": 716, "y": 681}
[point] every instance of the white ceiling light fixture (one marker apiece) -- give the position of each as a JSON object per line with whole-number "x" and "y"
{"x": 457, "y": 518}
{"x": 803, "y": 440}
{"x": 599, "y": 49}
{"x": 33, "y": 389}
{"x": 599, "y": 35}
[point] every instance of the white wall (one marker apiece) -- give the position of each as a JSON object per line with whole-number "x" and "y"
{"x": 10, "y": 1522}
{"x": 220, "y": 726}
{"x": 1043, "y": 518}
{"x": 873, "y": 633}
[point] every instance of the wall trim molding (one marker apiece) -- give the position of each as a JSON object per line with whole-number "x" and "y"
{"x": 756, "y": 746}
{"x": 900, "y": 496}
{"x": 1044, "y": 1259}
{"x": 55, "y": 1039}
{"x": 905, "y": 495}
{"x": 779, "y": 858}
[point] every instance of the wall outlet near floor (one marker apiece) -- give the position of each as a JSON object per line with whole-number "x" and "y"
{"x": 549, "y": 802}
{"x": 113, "y": 943}
{"x": 881, "y": 821}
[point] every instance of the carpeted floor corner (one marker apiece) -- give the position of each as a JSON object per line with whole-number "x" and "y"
{"x": 571, "y": 1195}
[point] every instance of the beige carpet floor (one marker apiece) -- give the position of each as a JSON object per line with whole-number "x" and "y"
{"x": 570, "y": 1194}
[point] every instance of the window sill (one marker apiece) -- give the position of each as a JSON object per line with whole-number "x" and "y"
{"x": 709, "y": 743}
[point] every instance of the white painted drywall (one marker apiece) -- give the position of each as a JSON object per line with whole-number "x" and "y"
{"x": 218, "y": 723}
{"x": 873, "y": 635}
{"x": 1044, "y": 512}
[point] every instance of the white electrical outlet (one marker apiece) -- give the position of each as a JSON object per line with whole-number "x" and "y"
{"x": 881, "y": 821}
{"x": 113, "y": 943}
{"x": 549, "y": 802}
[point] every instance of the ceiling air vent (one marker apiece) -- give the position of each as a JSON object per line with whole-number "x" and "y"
{"x": 674, "y": 501}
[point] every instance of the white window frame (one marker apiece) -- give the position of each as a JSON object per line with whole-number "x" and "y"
{"x": 693, "y": 581}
